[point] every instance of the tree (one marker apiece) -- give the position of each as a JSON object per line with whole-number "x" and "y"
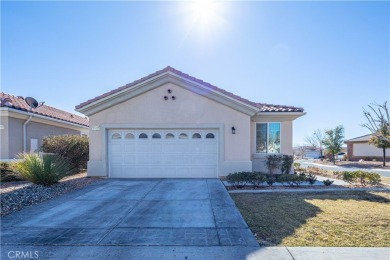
{"x": 379, "y": 125}
{"x": 334, "y": 139}
{"x": 316, "y": 140}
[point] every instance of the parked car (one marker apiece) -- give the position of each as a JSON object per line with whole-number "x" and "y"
{"x": 340, "y": 156}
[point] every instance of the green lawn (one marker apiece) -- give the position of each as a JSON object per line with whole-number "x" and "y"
{"x": 340, "y": 219}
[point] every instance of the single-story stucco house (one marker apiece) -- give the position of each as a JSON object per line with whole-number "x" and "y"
{"x": 170, "y": 124}
{"x": 359, "y": 148}
{"x": 22, "y": 129}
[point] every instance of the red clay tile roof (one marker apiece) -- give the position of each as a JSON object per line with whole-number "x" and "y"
{"x": 20, "y": 104}
{"x": 263, "y": 107}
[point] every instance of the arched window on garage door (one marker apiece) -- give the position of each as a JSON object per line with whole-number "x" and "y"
{"x": 210, "y": 136}
{"x": 143, "y": 136}
{"x": 196, "y": 136}
{"x": 169, "y": 136}
{"x": 156, "y": 136}
{"x": 116, "y": 136}
{"x": 129, "y": 136}
{"x": 183, "y": 136}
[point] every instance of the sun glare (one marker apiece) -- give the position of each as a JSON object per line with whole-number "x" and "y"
{"x": 205, "y": 11}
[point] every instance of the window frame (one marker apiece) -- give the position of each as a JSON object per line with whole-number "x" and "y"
{"x": 280, "y": 137}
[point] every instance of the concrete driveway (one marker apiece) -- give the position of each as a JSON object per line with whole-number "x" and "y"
{"x": 169, "y": 218}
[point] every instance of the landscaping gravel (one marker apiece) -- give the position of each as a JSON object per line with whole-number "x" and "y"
{"x": 16, "y": 197}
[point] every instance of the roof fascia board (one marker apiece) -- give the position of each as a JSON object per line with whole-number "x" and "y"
{"x": 160, "y": 80}
{"x": 15, "y": 113}
{"x": 277, "y": 116}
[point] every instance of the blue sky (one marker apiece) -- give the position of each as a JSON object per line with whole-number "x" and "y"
{"x": 331, "y": 58}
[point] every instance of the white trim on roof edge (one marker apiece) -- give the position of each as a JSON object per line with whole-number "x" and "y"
{"x": 164, "y": 78}
{"x": 8, "y": 111}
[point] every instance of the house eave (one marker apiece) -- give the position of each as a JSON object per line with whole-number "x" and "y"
{"x": 276, "y": 116}
{"x": 160, "y": 80}
{"x": 12, "y": 112}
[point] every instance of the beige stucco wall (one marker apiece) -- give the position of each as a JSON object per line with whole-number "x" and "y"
{"x": 4, "y": 137}
{"x": 365, "y": 149}
{"x": 150, "y": 108}
{"x": 12, "y": 134}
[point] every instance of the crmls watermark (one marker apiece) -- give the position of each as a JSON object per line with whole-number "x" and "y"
{"x": 23, "y": 254}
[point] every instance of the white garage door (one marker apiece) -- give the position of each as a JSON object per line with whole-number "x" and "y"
{"x": 137, "y": 153}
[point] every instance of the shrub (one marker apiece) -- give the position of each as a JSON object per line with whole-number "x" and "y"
{"x": 74, "y": 148}
{"x": 272, "y": 162}
{"x": 349, "y": 176}
{"x": 311, "y": 179}
{"x": 285, "y": 179}
{"x": 258, "y": 179}
{"x": 286, "y": 163}
{"x": 239, "y": 179}
{"x": 327, "y": 182}
{"x": 361, "y": 177}
{"x": 374, "y": 178}
{"x": 7, "y": 174}
{"x": 45, "y": 170}
{"x": 270, "y": 181}
{"x": 297, "y": 165}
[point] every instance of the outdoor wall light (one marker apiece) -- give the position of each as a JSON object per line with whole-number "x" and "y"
{"x": 173, "y": 97}
{"x": 165, "y": 97}
{"x": 169, "y": 91}
{"x": 233, "y": 130}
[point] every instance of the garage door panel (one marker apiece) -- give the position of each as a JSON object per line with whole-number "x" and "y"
{"x": 116, "y": 147}
{"x": 143, "y": 147}
{"x": 165, "y": 157}
{"x": 130, "y": 147}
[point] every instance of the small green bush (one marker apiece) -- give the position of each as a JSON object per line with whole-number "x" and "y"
{"x": 258, "y": 179}
{"x": 327, "y": 182}
{"x": 349, "y": 176}
{"x": 239, "y": 179}
{"x": 311, "y": 179}
{"x": 74, "y": 148}
{"x": 45, "y": 170}
{"x": 272, "y": 163}
{"x": 361, "y": 177}
{"x": 285, "y": 179}
{"x": 374, "y": 178}
{"x": 270, "y": 181}
{"x": 286, "y": 163}
{"x": 297, "y": 165}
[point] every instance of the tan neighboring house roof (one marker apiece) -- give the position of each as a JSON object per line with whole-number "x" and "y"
{"x": 360, "y": 139}
{"x": 262, "y": 107}
{"x": 18, "y": 103}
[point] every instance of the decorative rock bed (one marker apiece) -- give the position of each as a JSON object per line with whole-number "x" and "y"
{"x": 18, "y": 195}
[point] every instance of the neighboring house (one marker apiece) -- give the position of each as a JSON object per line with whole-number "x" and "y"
{"x": 359, "y": 148}
{"x": 22, "y": 128}
{"x": 312, "y": 153}
{"x": 170, "y": 124}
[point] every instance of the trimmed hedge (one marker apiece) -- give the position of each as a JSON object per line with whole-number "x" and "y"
{"x": 361, "y": 177}
{"x": 258, "y": 179}
{"x": 74, "y": 148}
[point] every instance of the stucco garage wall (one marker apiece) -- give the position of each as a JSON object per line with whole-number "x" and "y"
{"x": 36, "y": 130}
{"x": 39, "y": 131}
{"x": 150, "y": 108}
{"x": 365, "y": 149}
{"x": 15, "y": 136}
